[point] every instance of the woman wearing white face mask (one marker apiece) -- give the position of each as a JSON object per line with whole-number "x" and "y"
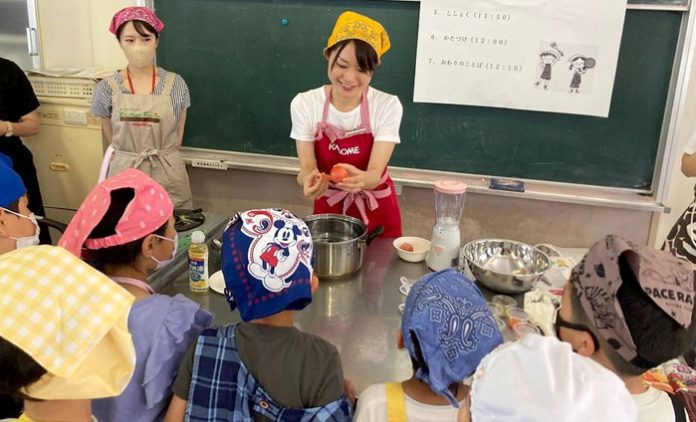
{"x": 126, "y": 228}
{"x": 143, "y": 108}
{"x": 18, "y": 226}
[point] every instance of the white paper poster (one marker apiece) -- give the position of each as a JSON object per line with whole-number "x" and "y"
{"x": 545, "y": 55}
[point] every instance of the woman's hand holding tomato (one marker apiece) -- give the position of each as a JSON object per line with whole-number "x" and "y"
{"x": 343, "y": 176}
{"x": 356, "y": 179}
{"x": 315, "y": 184}
{"x": 338, "y": 173}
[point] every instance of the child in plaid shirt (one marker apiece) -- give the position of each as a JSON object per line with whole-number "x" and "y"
{"x": 264, "y": 368}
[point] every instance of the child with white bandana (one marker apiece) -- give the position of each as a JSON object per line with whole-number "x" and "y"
{"x": 541, "y": 379}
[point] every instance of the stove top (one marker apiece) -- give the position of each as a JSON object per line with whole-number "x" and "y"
{"x": 185, "y": 220}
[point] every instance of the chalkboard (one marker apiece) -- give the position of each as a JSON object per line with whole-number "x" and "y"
{"x": 243, "y": 67}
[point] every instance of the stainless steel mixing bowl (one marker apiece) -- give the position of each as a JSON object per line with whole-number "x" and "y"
{"x": 504, "y": 266}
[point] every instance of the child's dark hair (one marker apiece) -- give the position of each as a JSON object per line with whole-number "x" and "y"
{"x": 418, "y": 362}
{"x": 584, "y": 60}
{"x": 13, "y": 206}
{"x": 143, "y": 28}
{"x": 122, "y": 254}
{"x": 656, "y": 335}
{"x": 364, "y": 53}
{"x": 18, "y": 369}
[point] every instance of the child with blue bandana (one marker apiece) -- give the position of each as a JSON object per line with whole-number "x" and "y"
{"x": 263, "y": 368}
{"x": 18, "y": 226}
{"x": 447, "y": 329}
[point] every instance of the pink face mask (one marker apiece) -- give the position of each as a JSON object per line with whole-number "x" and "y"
{"x": 149, "y": 210}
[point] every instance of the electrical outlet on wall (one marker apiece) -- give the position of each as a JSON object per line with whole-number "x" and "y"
{"x": 209, "y": 164}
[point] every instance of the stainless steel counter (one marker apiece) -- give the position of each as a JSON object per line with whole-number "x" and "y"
{"x": 359, "y": 315}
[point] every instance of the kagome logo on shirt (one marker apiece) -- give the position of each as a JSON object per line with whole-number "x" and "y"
{"x": 280, "y": 244}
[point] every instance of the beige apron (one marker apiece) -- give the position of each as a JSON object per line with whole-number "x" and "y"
{"x": 145, "y": 138}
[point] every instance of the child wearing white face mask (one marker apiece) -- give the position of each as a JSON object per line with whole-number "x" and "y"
{"x": 125, "y": 226}
{"x": 143, "y": 108}
{"x": 18, "y": 226}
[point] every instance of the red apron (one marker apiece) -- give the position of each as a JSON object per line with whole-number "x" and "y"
{"x": 332, "y": 146}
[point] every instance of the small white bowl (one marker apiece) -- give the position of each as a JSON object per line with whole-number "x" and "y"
{"x": 420, "y": 248}
{"x": 217, "y": 282}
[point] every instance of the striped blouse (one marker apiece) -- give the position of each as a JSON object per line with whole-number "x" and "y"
{"x": 101, "y": 99}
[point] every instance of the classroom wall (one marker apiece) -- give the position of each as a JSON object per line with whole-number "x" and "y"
{"x": 74, "y": 33}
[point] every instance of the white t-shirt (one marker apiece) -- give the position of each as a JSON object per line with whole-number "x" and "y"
{"x": 307, "y": 108}
{"x": 690, "y": 147}
{"x": 372, "y": 407}
{"x": 654, "y": 406}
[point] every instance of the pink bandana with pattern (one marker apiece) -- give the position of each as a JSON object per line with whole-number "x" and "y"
{"x": 667, "y": 280}
{"x": 147, "y": 212}
{"x": 135, "y": 13}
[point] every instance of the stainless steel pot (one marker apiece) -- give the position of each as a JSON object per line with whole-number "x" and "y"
{"x": 339, "y": 243}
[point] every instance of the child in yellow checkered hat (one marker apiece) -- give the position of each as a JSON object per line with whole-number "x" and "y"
{"x": 64, "y": 337}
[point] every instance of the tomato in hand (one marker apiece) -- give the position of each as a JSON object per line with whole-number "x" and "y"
{"x": 338, "y": 173}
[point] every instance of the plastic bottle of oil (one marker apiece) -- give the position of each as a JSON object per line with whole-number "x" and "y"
{"x": 198, "y": 263}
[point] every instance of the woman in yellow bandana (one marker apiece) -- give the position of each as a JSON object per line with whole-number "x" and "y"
{"x": 352, "y": 125}
{"x": 64, "y": 337}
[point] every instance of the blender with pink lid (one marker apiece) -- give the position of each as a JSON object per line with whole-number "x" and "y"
{"x": 445, "y": 241}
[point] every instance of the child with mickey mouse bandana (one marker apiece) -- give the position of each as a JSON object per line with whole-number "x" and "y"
{"x": 263, "y": 368}
{"x": 631, "y": 308}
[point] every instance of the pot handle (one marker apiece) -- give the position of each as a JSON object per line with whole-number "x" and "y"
{"x": 376, "y": 232}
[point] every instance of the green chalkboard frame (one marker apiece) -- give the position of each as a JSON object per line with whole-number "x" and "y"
{"x": 243, "y": 68}
{"x": 665, "y": 3}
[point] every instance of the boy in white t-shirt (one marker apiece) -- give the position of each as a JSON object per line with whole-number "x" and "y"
{"x": 447, "y": 329}
{"x": 631, "y": 308}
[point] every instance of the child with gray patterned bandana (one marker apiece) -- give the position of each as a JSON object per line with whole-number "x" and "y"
{"x": 631, "y": 308}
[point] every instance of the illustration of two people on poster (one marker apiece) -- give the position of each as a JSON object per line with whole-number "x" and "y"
{"x": 579, "y": 64}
